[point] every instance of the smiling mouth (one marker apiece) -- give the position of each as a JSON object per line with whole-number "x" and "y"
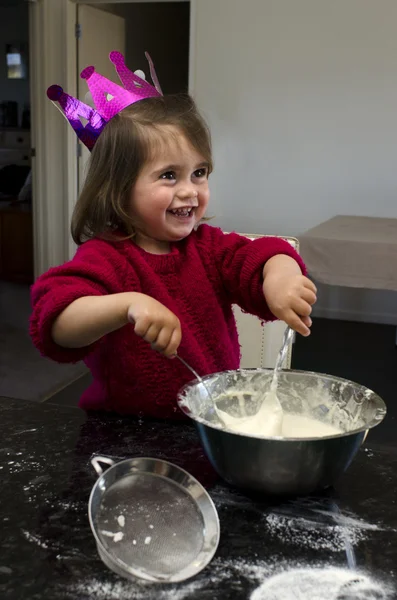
{"x": 182, "y": 212}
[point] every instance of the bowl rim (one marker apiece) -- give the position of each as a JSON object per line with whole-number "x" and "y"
{"x": 380, "y": 407}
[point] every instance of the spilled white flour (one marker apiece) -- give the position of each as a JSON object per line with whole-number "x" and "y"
{"x": 307, "y": 533}
{"x": 303, "y": 523}
{"x": 218, "y": 572}
{"x": 35, "y": 539}
{"x": 263, "y": 581}
{"x": 319, "y": 584}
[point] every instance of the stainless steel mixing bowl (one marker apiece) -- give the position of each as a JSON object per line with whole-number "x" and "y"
{"x": 276, "y": 465}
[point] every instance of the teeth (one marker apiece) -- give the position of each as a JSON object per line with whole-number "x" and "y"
{"x": 182, "y": 212}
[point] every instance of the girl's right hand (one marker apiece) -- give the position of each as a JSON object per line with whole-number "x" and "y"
{"x": 156, "y": 324}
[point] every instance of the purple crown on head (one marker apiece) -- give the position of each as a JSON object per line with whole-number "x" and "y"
{"x": 109, "y": 98}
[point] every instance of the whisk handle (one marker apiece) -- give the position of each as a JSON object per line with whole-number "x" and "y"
{"x": 287, "y": 338}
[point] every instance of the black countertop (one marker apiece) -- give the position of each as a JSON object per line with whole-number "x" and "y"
{"x": 47, "y": 550}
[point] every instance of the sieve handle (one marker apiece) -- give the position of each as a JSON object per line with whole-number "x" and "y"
{"x": 96, "y": 463}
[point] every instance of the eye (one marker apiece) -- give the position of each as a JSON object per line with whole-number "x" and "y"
{"x": 169, "y": 175}
{"x": 203, "y": 172}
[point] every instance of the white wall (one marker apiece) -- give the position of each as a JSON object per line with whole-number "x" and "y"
{"x": 302, "y": 101}
{"x": 14, "y": 28}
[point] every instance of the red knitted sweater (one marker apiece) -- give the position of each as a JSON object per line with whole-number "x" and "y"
{"x": 198, "y": 280}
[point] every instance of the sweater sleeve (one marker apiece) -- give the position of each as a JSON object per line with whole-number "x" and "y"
{"x": 90, "y": 273}
{"x": 239, "y": 262}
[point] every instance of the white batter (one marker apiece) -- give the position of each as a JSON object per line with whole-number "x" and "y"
{"x": 271, "y": 421}
{"x": 268, "y": 421}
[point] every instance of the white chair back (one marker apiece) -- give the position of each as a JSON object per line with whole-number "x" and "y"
{"x": 260, "y": 343}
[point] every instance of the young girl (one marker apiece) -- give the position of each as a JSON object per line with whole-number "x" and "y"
{"x": 148, "y": 279}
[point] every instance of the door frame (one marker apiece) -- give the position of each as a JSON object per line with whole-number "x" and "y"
{"x": 53, "y": 59}
{"x": 51, "y": 51}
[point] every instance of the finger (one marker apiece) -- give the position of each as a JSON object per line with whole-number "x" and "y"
{"x": 296, "y": 323}
{"x": 300, "y": 307}
{"x": 174, "y": 343}
{"x": 310, "y": 285}
{"x": 309, "y": 296}
{"x": 152, "y": 333}
{"x": 142, "y": 325}
{"x": 307, "y": 321}
{"x": 163, "y": 339}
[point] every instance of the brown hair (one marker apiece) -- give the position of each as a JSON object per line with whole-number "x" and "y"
{"x": 119, "y": 154}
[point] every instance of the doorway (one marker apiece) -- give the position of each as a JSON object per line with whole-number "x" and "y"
{"x": 55, "y": 40}
{"x": 16, "y": 215}
{"x": 161, "y": 28}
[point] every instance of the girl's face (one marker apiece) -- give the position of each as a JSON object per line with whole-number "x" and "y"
{"x": 170, "y": 195}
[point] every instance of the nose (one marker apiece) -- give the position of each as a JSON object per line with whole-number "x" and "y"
{"x": 187, "y": 191}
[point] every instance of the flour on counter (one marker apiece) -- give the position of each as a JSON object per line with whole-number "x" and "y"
{"x": 264, "y": 580}
{"x": 219, "y": 571}
{"x": 320, "y": 584}
{"x": 34, "y": 538}
{"x": 24, "y": 431}
{"x": 349, "y": 521}
{"x": 5, "y": 570}
{"x": 303, "y": 532}
{"x": 127, "y": 591}
{"x": 76, "y": 505}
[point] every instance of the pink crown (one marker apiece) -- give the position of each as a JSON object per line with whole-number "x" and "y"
{"x": 109, "y": 98}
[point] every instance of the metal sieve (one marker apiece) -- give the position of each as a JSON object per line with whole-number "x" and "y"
{"x": 151, "y": 520}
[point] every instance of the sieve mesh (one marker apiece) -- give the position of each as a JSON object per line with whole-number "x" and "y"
{"x": 150, "y": 523}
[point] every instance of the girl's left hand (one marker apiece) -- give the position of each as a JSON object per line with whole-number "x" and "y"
{"x": 289, "y": 294}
